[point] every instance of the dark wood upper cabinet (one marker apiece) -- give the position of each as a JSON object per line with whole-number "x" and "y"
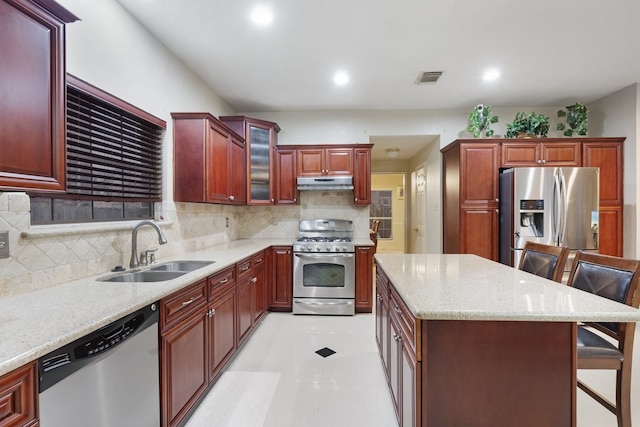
{"x": 362, "y": 175}
{"x": 547, "y": 153}
{"x": 32, "y": 89}
{"x": 286, "y": 191}
{"x": 260, "y": 137}
{"x": 335, "y": 160}
{"x": 208, "y": 160}
{"x": 325, "y": 161}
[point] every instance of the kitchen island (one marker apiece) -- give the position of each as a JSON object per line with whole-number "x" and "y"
{"x": 468, "y": 341}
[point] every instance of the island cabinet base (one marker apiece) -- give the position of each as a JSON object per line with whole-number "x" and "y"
{"x": 498, "y": 373}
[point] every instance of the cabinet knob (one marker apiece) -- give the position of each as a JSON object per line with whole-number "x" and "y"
{"x": 543, "y": 161}
{"x": 232, "y": 197}
{"x": 254, "y": 280}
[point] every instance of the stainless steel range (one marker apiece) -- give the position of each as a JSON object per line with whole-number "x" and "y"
{"x": 324, "y": 268}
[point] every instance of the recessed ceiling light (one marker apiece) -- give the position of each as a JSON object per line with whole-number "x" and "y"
{"x": 341, "y": 78}
{"x": 491, "y": 75}
{"x": 262, "y": 15}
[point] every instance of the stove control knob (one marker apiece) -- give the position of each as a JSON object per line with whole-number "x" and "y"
{"x": 317, "y": 249}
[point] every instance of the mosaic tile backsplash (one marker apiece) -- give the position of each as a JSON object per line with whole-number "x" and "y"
{"x": 44, "y": 256}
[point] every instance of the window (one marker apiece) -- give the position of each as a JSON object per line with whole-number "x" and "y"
{"x": 114, "y": 161}
{"x": 381, "y": 209}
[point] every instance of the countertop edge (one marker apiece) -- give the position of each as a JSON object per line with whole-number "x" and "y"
{"x": 19, "y": 347}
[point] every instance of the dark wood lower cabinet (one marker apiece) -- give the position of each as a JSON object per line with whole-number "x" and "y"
{"x": 184, "y": 367}
{"x": 18, "y": 397}
{"x": 245, "y": 315}
{"x": 364, "y": 279}
{"x": 202, "y": 327}
{"x": 222, "y": 331}
{"x": 382, "y": 319}
{"x": 281, "y": 283}
{"x": 260, "y": 286}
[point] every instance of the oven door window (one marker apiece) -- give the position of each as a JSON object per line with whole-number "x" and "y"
{"x": 323, "y": 275}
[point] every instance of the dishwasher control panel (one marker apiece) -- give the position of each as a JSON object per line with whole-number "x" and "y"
{"x": 109, "y": 339}
{"x": 60, "y": 363}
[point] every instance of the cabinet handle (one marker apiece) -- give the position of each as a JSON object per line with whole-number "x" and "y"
{"x": 254, "y": 280}
{"x": 245, "y": 268}
{"x": 259, "y": 260}
{"x": 225, "y": 280}
{"x": 192, "y": 299}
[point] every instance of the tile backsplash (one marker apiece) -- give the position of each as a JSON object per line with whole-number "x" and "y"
{"x": 44, "y": 256}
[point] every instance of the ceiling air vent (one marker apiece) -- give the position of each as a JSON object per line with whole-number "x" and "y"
{"x": 428, "y": 77}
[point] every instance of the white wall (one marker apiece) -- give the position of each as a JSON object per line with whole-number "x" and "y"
{"x": 112, "y": 51}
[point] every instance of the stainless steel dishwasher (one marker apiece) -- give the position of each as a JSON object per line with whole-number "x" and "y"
{"x": 109, "y": 378}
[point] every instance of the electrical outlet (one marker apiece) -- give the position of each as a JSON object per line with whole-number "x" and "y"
{"x": 226, "y": 222}
{"x": 4, "y": 244}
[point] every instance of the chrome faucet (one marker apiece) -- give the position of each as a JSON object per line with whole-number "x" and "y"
{"x": 134, "y": 241}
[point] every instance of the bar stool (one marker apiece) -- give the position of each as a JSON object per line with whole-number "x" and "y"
{"x": 544, "y": 260}
{"x": 616, "y": 279}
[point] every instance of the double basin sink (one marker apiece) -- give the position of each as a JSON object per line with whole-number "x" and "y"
{"x": 158, "y": 273}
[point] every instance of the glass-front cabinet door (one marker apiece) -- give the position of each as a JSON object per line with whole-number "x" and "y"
{"x": 260, "y": 137}
{"x": 259, "y": 166}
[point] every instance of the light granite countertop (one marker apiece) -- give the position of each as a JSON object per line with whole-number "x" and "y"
{"x": 36, "y": 323}
{"x": 468, "y": 287}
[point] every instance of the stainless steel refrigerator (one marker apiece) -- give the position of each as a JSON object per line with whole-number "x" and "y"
{"x": 550, "y": 205}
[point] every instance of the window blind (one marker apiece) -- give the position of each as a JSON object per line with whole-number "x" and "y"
{"x": 110, "y": 151}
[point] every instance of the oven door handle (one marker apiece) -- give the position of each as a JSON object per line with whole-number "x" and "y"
{"x": 324, "y": 303}
{"x": 324, "y": 255}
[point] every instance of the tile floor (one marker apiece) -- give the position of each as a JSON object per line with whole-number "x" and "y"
{"x": 278, "y": 380}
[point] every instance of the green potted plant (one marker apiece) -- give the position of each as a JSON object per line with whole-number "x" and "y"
{"x": 576, "y": 119}
{"x": 528, "y": 125}
{"x": 480, "y": 120}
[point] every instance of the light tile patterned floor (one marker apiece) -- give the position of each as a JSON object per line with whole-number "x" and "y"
{"x": 279, "y": 370}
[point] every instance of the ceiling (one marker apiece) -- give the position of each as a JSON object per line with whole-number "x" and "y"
{"x": 549, "y": 52}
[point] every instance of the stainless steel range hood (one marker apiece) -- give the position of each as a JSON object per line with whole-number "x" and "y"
{"x": 325, "y": 183}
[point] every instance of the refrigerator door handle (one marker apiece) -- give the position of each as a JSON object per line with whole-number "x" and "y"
{"x": 556, "y": 209}
{"x": 563, "y": 195}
